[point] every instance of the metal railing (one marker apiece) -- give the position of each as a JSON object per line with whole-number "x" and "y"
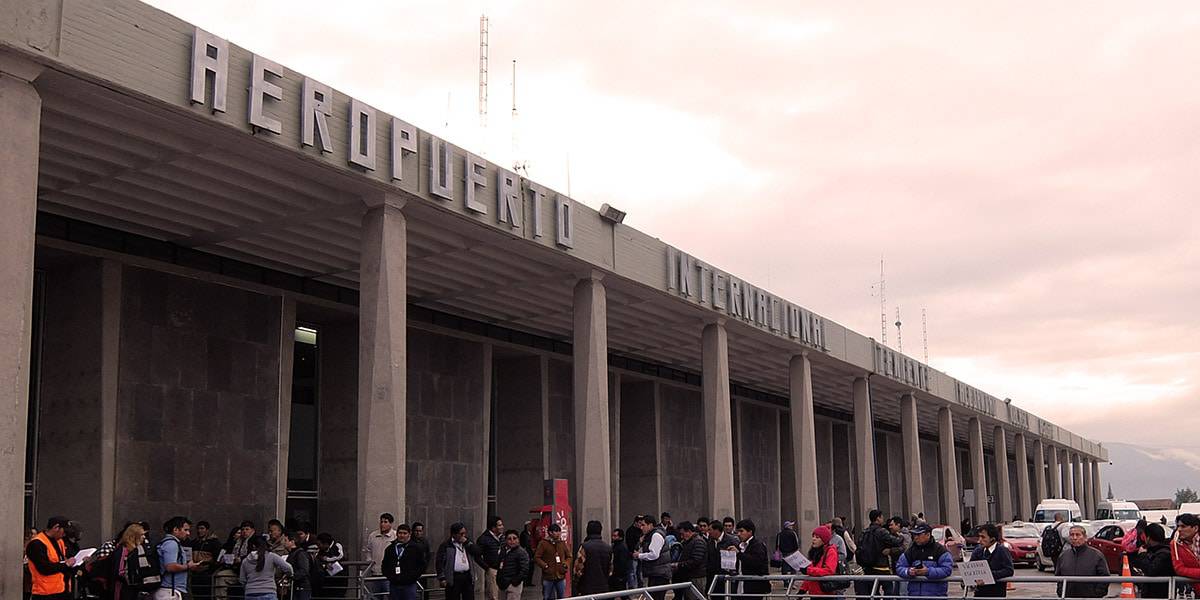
{"x": 888, "y": 586}
{"x": 687, "y": 588}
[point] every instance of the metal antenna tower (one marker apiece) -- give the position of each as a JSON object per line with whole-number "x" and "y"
{"x": 924, "y": 336}
{"x": 520, "y": 166}
{"x": 899, "y": 340}
{"x": 483, "y": 71}
{"x": 879, "y": 287}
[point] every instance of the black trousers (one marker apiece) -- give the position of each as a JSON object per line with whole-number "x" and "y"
{"x": 460, "y": 587}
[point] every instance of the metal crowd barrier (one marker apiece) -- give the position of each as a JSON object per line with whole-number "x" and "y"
{"x": 880, "y": 586}
{"x": 686, "y": 588}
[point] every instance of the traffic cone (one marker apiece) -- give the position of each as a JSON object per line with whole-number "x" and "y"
{"x": 1126, "y": 586}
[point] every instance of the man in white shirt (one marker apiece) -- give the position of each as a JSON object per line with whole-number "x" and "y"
{"x": 453, "y": 564}
{"x": 653, "y": 555}
{"x": 377, "y": 543}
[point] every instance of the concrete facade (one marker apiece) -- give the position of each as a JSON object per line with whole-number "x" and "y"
{"x": 476, "y": 332}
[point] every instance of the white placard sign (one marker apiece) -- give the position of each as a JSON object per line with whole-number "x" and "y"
{"x": 797, "y": 560}
{"x": 976, "y": 570}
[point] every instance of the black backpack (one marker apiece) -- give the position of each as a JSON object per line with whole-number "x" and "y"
{"x": 868, "y": 552}
{"x": 1052, "y": 542}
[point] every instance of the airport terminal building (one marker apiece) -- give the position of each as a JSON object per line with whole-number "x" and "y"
{"x": 232, "y": 292}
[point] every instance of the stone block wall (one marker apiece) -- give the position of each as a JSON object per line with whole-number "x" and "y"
{"x": 519, "y": 443}
{"x": 684, "y": 472}
{"x": 68, "y": 444}
{"x": 446, "y": 441}
{"x": 198, "y": 397}
{"x": 758, "y": 466}
{"x": 638, "y": 452}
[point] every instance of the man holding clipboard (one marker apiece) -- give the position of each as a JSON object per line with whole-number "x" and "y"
{"x": 998, "y": 560}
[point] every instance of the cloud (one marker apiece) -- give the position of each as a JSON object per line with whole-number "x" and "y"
{"x": 1027, "y": 170}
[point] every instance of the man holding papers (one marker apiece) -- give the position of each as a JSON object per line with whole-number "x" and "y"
{"x": 998, "y": 559}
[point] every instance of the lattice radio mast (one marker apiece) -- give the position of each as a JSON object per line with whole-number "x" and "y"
{"x": 520, "y": 166}
{"x": 880, "y": 287}
{"x": 899, "y": 339}
{"x": 483, "y": 72}
{"x": 924, "y": 336}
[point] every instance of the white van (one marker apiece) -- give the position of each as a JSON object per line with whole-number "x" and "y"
{"x": 1050, "y": 508}
{"x": 1189, "y": 508}
{"x": 1118, "y": 510}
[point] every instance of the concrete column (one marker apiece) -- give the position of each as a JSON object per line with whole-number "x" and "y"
{"x": 949, "y": 462}
{"x": 590, "y": 349}
{"x": 718, "y": 431}
{"x": 1039, "y": 469}
{"x": 1096, "y": 493}
{"x": 1024, "y": 507}
{"x": 978, "y": 476}
{"x": 287, "y": 352}
{"x": 614, "y": 446}
{"x": 1077, "y": 468}
{"x": 804, "y": 442}
{"x": 110, "y": 343}
{"x": 1056, "y": 478}
{"x": 914, "y": 487}
{"x": 1068, "y": 475}
{"x": 864, "y": 446}
{"x": 1004, "y": 508}
{"x": 20, "y": 120}
{"x": 1090, "y": 511}
{"x": 382, "y": 365}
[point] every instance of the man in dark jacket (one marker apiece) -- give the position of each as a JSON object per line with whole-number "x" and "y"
{"x": 1154, "y": 560}
{"x": 752, "y": 559}
{"x": 693, "y": 558}
{"x": 999, "y": 559}
{"x": 403, "y": 564}
{"x": 787, "y": 541}
{"x": 622, "y": 562}
{"x": 453, "y": 564}
{"x": 489, "y": 544}
{"x": 717, "y": 541}
{"x": 1080, "y": 559}
{"x": 874, "y": 548}
{"x": 515, "y": 564}
{"x": 593, "y": 563}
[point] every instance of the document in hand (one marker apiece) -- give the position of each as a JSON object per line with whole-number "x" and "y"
{"x": 728, "y": 560}
{"x": 797, "y": 560}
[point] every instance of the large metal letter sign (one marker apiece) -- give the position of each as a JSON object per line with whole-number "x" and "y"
{"x": 210, "y": 54}
{"x": 316, "y": 107}
{"x": 260, "y": 88}
{"x": 362, "y": 135}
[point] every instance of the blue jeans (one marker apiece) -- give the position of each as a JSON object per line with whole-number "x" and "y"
{"x": 403, "y": 592}
{"x": 553, "y": 590}
{"x": 267, "y": 596}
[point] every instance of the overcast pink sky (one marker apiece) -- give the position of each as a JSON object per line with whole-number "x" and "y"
{"x": 1029, "y": 170}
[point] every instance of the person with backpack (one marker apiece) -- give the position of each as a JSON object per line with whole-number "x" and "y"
{"x": 1052, "y": 541}
{"x": 874, "y": 547}
{"x": 1153, "y": 559}
{"x": 825, "y": 562}
{"x": 692, "y": 566}
{"x": 175, "y": 567}
{"x": 259, "y": 570}
{"x": 300, "y": 585}
{"x": 787, "y": 541}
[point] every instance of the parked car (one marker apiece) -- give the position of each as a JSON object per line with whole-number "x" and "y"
{"x": 971, "y": 540}
{"x": 1108, "y": 541}
{"x": 1022, "y": 543}
{"x": 951, "y": 539}
{"x": 1045, "y": 562}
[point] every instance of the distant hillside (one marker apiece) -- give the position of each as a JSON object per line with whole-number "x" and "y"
{"x": 1148, "y": 472}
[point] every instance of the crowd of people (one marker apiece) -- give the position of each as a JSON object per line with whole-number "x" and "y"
{"x": 653, "y": 552}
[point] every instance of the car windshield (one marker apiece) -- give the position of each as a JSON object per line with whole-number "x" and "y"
{"x": 1019, "y": 533}
{"x": 1126, "y": 515}
{"x": 1049, "y": 515}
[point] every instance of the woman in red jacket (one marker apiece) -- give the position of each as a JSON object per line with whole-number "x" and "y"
{"x": 824, "y": 559}
{"x": 1184, "y": 548}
